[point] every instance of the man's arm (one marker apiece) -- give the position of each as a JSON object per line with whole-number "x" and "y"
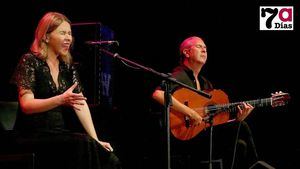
{"x": 158, "y": 95}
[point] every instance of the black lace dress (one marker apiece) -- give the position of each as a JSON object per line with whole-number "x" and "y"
{"x": 51, "y": 135}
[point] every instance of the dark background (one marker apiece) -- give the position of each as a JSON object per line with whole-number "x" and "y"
{"x": 243, "y": 61}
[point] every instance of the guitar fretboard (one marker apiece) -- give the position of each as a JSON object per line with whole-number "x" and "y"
{"x": 232, "y": 107}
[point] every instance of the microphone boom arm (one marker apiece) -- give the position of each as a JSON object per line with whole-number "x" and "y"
{"x": 102, "y": 42}
{"x": 163, "y": 75}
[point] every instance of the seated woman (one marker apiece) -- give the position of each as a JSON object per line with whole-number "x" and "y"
{"x": 50, "y": 93}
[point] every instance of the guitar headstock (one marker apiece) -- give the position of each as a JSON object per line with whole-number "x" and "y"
{"x": 279, "y": 99}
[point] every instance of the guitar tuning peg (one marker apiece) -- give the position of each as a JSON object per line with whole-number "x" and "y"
{"x": 277, "y": 93}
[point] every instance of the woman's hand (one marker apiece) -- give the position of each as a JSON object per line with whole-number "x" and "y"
{"x": 106, "y": 145}
{"x": 69, "y": 98}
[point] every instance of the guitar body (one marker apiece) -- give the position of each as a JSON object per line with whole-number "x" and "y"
{"x": 217, "y": 106}
{"x": 180, "y": 125}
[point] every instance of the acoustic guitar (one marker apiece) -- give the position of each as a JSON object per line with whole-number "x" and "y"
{"x": 217, "y": 107}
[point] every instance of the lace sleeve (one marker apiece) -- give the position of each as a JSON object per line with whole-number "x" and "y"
{"x": 24, "y": 75}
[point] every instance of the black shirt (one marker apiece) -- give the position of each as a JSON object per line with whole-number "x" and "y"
{"x": 185, "y": 75}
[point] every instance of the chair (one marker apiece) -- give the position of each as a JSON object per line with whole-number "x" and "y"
{"x": 8, "y": 113}
{"x": 11, "y": 160}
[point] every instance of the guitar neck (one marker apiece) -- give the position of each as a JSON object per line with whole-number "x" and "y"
{"x": 256, "y": 103}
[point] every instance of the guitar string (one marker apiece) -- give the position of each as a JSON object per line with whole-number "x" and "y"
{"x": 257, "y": 103}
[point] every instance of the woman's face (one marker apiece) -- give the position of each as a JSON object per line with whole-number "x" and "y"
{"x": 60, "y": 39}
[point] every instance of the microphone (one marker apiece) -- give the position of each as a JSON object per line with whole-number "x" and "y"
{"x": 102, "y": 42}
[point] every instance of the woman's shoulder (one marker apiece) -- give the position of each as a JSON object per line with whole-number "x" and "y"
{"x": 29, "y": 56}
{"x": 31, "y": 59}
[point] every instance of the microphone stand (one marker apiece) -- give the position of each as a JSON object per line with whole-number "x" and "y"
{"x": 210, "y": 120}
{"x": 167, "y": 96}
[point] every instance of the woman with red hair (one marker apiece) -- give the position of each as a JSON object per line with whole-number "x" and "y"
{"x": 50, "y": 94}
